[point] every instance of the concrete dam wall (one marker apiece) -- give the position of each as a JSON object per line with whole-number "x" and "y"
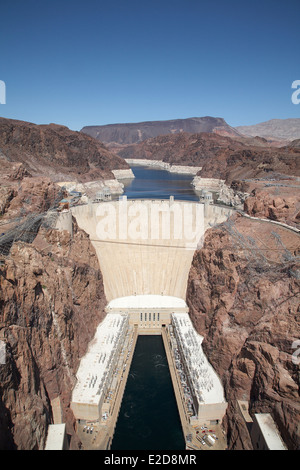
{"x": 145, "y": 250}
{"x": 146, "y": 247}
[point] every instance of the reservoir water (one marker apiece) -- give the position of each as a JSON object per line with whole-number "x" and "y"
{"x": 152, "y": 183}
{"x": 149, "y": 418}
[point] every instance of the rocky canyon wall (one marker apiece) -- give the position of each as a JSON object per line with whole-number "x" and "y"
{"x": 243, "y": 295}
{"x": 51, "y": 301}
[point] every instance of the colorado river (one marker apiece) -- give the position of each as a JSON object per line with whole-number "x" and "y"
{"x": 149, "y": 418}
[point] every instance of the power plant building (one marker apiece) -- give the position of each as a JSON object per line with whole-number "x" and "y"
{"x": 148, "y": 313}
{"x": 95, "y": 373}
{"x": 200, "y": 382}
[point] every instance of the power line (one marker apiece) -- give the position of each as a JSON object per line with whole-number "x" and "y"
{"x": 228, "y": 248}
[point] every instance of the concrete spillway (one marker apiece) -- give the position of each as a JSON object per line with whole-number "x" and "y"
{"x": 146, "y": 247}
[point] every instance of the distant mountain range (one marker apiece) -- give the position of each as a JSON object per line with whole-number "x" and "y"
{"x": 115, "y": 135}
{"x": 281, "y": 129}
{"x": 126, "y": 134}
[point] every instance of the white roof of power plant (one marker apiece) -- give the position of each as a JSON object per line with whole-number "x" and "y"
{"x": 94, "y": 366}
{"x": 206, "y": 382}
{"x": 55, "y": 437}
{"x": 147, "y": 301}
{"x": 270, "y": 431}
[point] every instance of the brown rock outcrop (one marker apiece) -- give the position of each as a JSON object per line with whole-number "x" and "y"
{"x": 6, "y": 195}
{"x": 32, "y": 195}
{"x": 252, "y": 162}
{"x": 243, "y": 295}
{"x": 182, "y": 149}
{"x": 276, "y": 203}
{"x": 19, "y": 172}
{"x": 56, "y": 152}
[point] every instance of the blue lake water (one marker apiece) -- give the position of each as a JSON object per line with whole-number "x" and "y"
{"x": 159, "y": 184}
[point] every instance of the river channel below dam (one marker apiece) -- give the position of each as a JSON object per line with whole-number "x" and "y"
{"x": 149, "y": 418}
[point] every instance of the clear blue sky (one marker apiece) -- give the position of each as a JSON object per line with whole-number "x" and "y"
{"x": 91, "y": 62}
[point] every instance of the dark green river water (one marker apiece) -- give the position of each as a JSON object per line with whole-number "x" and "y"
{"x": 149, "y": 418}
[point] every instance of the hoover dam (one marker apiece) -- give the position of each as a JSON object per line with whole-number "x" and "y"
{"x": 146, "y": 247}
{"x": 145, "y": 250}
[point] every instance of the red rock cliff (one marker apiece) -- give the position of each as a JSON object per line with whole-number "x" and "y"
{"x": 51, "y": 300}
{"x": 243, "y": 295}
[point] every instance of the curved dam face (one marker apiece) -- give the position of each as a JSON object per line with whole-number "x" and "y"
{"x": 146, "y": 247}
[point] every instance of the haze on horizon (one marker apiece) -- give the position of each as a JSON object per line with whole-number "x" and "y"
{"x": 100, "y": 62}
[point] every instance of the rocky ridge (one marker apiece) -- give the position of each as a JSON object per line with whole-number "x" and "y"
{"x": 55, "y": 151}
{"x": 181, "y": 149}
{"x": 130, "y": 133}
{"x": 275, "y": 202}
{"x": 219, "y": 156}
{"x": 284, "y": 129}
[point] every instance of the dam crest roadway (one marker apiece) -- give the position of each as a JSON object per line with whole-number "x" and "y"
{"x": 145, "y": 271}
